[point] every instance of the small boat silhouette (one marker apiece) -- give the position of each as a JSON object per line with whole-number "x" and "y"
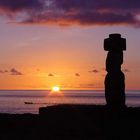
{"x": 28, "y": 103}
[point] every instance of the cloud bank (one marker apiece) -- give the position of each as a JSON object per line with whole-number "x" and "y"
{"x": 72, "y": 12}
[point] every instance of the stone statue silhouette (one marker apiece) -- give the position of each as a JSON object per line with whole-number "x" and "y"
{"x": 115, "y": 79}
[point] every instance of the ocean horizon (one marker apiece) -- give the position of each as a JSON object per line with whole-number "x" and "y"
{"x": 29, "y": 101}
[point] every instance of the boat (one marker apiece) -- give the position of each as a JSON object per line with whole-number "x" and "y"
{"x": 28, "y": 103}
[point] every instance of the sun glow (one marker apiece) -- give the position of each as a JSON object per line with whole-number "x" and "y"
{"x": 55, "y": 89}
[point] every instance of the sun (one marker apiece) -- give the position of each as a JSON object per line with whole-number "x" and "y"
{"x": 55, "y": 89}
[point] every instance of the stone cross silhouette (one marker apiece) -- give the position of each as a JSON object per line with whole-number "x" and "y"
{"x": 115, "y": 79}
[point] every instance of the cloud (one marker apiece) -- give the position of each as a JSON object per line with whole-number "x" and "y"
{"x": 17, "y": 6}
{"x": 126, "y": 70}
{"x": 71, "y": 12}
{"x": 90, "y": 85}
{"x": 77, "y": 74}
{"x": 50, "y": 75}
{"x": 3, "y": 71}
{"x": 15, "y": 72}
{"x": 38, "y": 70}
{"x": 94, "y": 71}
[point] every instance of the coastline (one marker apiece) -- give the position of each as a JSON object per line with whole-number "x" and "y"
{"x": 72, "y": 122}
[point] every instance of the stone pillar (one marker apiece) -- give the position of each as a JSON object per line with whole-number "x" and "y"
{"x": 115, "y": 79}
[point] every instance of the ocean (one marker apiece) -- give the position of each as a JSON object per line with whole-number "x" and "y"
{"x": 29, "y": 101}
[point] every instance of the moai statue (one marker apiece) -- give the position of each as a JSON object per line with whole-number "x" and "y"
{"x": 115, "y": 79}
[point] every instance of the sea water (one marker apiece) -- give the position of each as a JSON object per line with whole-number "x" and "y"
{"x": 29, "y": 101}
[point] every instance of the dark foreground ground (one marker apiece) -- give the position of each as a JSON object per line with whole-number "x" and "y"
{"x": 72, "y": 122}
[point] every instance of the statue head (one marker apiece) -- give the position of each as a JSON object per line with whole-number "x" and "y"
{"x": 115, "y": 43}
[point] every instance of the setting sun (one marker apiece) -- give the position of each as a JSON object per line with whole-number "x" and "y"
{"x": 55, "y": 89}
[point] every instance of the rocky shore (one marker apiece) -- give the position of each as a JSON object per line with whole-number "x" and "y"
{"x": 72, "y": 122}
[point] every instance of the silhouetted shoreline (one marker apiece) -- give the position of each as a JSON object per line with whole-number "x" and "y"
{"x": 71, "y": 122}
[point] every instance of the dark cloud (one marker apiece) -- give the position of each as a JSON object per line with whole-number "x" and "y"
{"x": 97, "y": 4}
{"x": 126, "y": 70}
{"x": 38, "y": 70}
{"x": 19, "y": 5}
{"x": 70, "y": 12}
{"x": 15, "y": 72}
{"x": 3, "y": 71}
{"x": 77, "y": 74}
{"x": 50, "y": 74}
{"x": 94, "y": 71}
{"x": 90, "y": 85}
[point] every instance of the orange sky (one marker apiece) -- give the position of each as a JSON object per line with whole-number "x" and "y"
{"x": 39, "y": 57}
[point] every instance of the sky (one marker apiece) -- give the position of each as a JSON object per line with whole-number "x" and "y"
{"x": 45, "y": 43}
